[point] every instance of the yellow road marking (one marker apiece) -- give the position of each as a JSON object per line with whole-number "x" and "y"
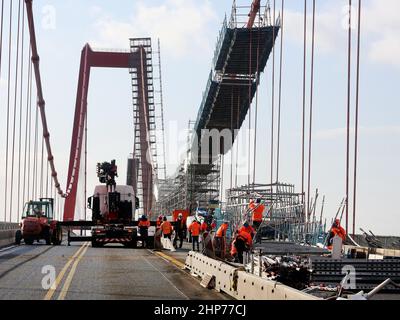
{"x": 60, "y": 276}
{"x": 170, "y": 259}
{"x": 71, "y": 274}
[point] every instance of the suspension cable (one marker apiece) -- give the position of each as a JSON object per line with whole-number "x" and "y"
{"x": 25, "y": 194}
{"x": 15, "y": 113}
{"x": 348, "y": 118}
{"x": 8, "y": 112}
{"x": 256, "y": 106}
{"x": 35, "y": 154}
{"x": 311, "y": 113}
{"x": 250, "y": 109}
{"x": 1, "y": 33}
{"x": 280, "y": 95}
{"x": 21, "y": 109}
{"x": 42, "y": 169}
{"x": 357, "y": 116}
{"x": 273, "y": 97}
{"x": 233, "y": 136}
{"x": 304, "y": 104}
{"x": 1, "y": 44}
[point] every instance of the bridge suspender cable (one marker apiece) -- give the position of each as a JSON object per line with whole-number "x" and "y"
{"x": 280, "y": 95}
{"x": 250, "y": 109}
{"x": 348, "y": 117}
{"x": 25, "y": 192}
{"x": 256, "y": 106}
{"x": 357, "y": 116}
{"x": 273, "y": 96}
{"x": 15, "y": 112}
{"x": 1, "y": 43}
{"x": 304, "y": 104}
{"x": 20, "y": 206}
{"x": 311, "y": 114}
{"x": 8, "y": 111}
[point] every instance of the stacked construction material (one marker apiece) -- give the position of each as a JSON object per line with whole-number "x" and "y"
{"x": 368, "y": 273}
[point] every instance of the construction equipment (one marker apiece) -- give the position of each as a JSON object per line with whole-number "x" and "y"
{"x": 113, "y": 207}
{"x": 38, "y": 223}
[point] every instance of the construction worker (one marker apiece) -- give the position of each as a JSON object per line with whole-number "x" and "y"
{"x": 194, "y": 229}
{"x": 242, "y": 243}
{"x": 180, "y": 228}
{"x": 166, "y": 228}
{"x": 159, "y": 222}
{"x": 336, "y": 230}
{"x": 248, "y": 228}
{"x": 257, "y": 210}
{"x": 144, "y": 225}
{"x": 220, "y": 239}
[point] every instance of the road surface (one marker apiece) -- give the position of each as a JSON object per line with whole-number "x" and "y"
{"x": 86, "y": 273}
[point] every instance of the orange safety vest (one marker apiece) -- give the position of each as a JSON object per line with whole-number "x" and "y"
{"x": 194, "y": 228}
{"x": 249, "y": 229}
{"x": 257, "y": 210}
{"x": 339, "y": 231}
{"x": 246, "y": 237}
{"x": 221, "y": 232}
{"x": 144, "y": 224}
{"x": 166, "y": 227}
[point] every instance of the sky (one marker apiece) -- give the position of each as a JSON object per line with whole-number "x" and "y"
{"x": 188, "y": 31}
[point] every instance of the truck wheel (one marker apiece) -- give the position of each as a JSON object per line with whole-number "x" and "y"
{"x": 28, "y": 241}
{"x": 95, "y": 243}
{"x": 133, "y": 244}
{"x": 18, "y": 237}
{"x": 57, "y": 237}
{"x": 47, "y": 236}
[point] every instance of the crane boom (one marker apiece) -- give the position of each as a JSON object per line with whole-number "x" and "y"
{"x": 255, "y": 7}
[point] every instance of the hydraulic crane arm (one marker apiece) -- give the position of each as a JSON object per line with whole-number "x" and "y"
{"x": 255, "y": 7}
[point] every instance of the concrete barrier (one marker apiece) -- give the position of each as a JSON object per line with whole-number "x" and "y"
{"x": 238, "y": 283}
{"x": 7, "y": 233}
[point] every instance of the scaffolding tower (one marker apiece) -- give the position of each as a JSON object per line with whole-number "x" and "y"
{"x": 284, "y": 216}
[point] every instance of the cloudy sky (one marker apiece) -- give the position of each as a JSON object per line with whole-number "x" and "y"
{"x": 188, "y": 32}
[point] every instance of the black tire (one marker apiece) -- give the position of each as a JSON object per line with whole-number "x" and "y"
{"x": 133, "y": 243}
{"x": 18, "y": 237}
{"x": 47, "y": 236}
{"x": 96, "y": 244}
{"x": 28, "y": 241}
{"x": 57, "y": 237}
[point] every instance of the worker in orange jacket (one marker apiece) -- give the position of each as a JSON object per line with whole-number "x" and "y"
{"x": 144, "y": 225}
{"x": 336, "y": 230}
{"x": 257, "y": 210}
{"x": 220, "y": 239}
{"x": 243, "y": 243}
{"x": 166, "y": 228}
{"x": 195, "y": 229}
{"x": 247, "y": 228}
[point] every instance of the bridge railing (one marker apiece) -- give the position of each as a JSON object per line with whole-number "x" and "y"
{"x": 8, "y": 226}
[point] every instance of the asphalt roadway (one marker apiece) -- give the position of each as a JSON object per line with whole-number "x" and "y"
{"x": 85, "y": 273}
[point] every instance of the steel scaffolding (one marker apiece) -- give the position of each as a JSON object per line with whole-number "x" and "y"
{"x": 284, "y": 216}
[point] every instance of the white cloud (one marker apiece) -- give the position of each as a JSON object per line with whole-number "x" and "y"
{"x": 381, "y": 21}
{"x": 337, "y": 133}
{"x": 180, "y": 24}
{"x": 380, "y": 29}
